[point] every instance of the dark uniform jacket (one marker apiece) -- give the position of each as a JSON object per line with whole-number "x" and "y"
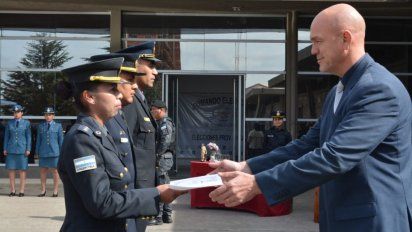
{"x": 143, "y": 128}
{"x": 118, "y": 129}
{"x": 96, "y": 182}
{"x": 275, "y": 138}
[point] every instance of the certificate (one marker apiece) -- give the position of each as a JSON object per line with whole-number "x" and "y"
{"x": 196, "y": 182}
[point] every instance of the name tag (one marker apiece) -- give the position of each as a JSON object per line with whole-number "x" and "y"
{"x": 124, "y": 140}
{"x": 85, "y": 163}
{"x": 146, "y": 119}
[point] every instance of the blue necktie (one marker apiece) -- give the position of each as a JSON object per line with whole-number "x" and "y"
{"x": 48, "y": 125}
{"x": 338, "y": 95}
{"x": 17, "y": 123}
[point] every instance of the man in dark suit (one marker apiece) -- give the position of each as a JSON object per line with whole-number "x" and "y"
{"x": 359, "y": 150}
{"x": 139, "y": 119}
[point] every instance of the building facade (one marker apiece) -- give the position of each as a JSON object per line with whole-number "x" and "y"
{"x": 227, "y": 65}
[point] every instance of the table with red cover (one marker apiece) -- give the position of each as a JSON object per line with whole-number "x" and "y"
{"x": 200, "y": 197}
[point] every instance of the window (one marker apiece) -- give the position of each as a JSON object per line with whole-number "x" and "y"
{"x": 33, "y": 50}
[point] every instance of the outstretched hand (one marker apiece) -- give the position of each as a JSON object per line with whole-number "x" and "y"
{"x": 229, "y": 166}
{"x": 167, "y": 195}
{"x": 238, "y": 188}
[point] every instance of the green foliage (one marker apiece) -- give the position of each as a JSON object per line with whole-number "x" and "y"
{"x": 35, "y": 90}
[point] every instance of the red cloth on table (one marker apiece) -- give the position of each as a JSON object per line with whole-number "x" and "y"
{"x": 200, "y": 197}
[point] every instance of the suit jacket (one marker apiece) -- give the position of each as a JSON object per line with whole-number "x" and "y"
{"x": 118, "y": 129}
{"x": 17, "y": 140}
{"x": 143, "y": 128}
{"x": 49, "y": 140}
{"x": 96, "y": 183}
{"x": 361, "y": 156}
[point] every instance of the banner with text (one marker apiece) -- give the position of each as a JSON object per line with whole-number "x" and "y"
{"x": 205, "y": 118}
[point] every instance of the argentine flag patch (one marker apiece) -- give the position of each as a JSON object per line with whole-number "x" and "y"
{"x": 85, "y": 163}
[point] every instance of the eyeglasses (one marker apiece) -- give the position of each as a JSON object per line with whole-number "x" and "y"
{"x": 124, "y": 82}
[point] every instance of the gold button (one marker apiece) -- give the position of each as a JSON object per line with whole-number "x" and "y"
{"x": 121, "y": 175}
{"x": 125, "y": 186}
{"x": 125, "y": 169}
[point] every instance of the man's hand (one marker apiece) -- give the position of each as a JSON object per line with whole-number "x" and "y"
{"x": 27, "y": 153}
{"x": 167, "y": 195}
{"x": 238, "y": 188}
{"x": 5, "y": 153}
{"x": 229, "y": 166}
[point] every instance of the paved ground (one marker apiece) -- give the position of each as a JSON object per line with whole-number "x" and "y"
{"x": 34, "y": 214}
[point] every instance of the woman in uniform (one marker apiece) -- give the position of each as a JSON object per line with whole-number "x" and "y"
{"x": 96, "y": 181}
{"x": 17, "y": 145}
{"x": 48, "y": 143}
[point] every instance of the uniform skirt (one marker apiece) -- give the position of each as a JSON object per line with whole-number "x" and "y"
{"x": 17, "y": 162}
{"x": 48, "y": 162}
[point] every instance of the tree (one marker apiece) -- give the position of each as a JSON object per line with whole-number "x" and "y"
{"x": 35, "y": 90}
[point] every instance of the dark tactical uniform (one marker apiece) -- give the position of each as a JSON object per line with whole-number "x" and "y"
{"x": 143, "y": 128}
{"x": 165, "y": 149}
{"x": 99, "y": 198}
{"x": 275, "y": 137}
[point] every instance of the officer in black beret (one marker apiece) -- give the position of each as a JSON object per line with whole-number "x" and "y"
{"x": 165, "y": 150}
{"x": 277, "y": 135}
{"x": 95, "y": 179}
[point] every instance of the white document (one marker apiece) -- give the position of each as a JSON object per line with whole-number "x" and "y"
{"x": 196, "y": 182}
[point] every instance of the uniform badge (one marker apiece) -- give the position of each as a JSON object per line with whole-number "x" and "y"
{"x": 124, "y": 140}
{"x": 146, "y": 119}
{"x": 85, "y": 163}
{"x": 122, "y": 132}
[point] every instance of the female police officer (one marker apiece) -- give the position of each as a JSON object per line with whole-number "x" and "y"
{"x": 17, "y": 145}
{"x": 48, "y": 143}
{"x": 95, "y": 180}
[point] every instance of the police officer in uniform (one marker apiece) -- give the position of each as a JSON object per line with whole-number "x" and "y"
{"x": 117, "y": 125}
{"x": 48, "y": 143}
{"x": 165, "y": 149}
{"x": 277, "y": 135}
{"x": 96, "y": 180}
{"x": 141, "y": 123}
{"x": 17, "y": 146}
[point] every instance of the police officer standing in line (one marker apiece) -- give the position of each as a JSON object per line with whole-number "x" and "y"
{"x": 141, "y": 123}
{"x": 17, "y": 146}
{"x": 48, "y": 143}
{"x": 117, "y": 125}
{"x": 96, "y": 181}
{"x": 165, "y": 149}
{"x": 277, "y": 135}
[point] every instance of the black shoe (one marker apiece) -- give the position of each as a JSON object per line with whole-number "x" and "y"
{"x": 42, "y": 194}
{"x": 155, "y": 222}
{"x": 55, "y": 195}
{"x": 12, "y": 194}
{"x": 167, "y": 219}
{"x": 21, "y": 194}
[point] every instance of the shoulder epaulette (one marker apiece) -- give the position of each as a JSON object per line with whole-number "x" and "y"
{"x": 85, "y": 129}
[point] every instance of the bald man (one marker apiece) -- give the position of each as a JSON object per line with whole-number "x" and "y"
{"x": 359, "y": 150}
